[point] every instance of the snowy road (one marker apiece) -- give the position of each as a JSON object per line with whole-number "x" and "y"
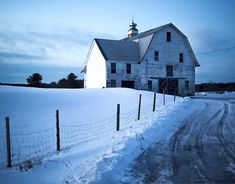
{"x": 202, "y": 150}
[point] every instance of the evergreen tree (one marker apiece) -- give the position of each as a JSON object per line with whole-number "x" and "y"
{"x": 72, "y": 80}
{"x": 34, "y": 80}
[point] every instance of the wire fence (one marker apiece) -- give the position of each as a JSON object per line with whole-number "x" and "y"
{"x": 81, "y": 134}
{"x": 28, "y": 149}
{"x": 3, "y": 155}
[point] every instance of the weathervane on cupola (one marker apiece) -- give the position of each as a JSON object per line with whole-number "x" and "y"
{"x": 132, "y": 31}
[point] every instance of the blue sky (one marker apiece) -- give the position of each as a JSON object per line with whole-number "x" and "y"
{"x": 53, "y": 37}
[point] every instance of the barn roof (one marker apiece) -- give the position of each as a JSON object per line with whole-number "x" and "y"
{"x": 127, "y": 49}
{"x": 118, "y": 50}
{"x": 146, "y": 33}
{"x": 155, "y": 30}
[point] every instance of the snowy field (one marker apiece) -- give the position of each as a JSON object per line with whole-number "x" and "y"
{"x": 89, "y": 139}
{"x": 92, "y": 151}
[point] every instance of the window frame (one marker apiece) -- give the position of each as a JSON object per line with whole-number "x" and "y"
{"x": 113, "y": 67}
{"x": 128, "y": 68}
{"x": 168, "y": 36}
{"x": 150, "y": 83}
{"x": 186, "y": 85}
{"x": 107, "y": 83}
{"x": 169, "y": 73}
{"x": 113, "y": 83}
{"x": 156, "y": 55}
{"x": 181, "y": 57}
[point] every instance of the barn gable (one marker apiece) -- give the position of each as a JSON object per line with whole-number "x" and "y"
{"x": 145, "y": 39}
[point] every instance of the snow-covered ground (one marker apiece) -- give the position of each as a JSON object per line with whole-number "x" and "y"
{"x": 202, "y": 150}
{"x": 89, "y": 141}
{"x": 92, "y": 150}
{"x": 217, "y": 95}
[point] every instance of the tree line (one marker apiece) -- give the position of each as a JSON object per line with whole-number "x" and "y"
{"x": 215, "y": 87}
{"x": 71, "y": 81}
{"x": 36, "y": 80}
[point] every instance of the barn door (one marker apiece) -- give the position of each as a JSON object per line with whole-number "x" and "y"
{"x": 169, "y": 85}
{"x": 128, "y": 84}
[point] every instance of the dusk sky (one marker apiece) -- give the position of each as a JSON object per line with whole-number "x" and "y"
{"x": 53, "y": 37}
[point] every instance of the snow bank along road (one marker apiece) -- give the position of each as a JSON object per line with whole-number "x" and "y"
{"x": 202, "y": 150}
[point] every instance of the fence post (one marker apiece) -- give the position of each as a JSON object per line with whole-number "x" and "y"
{"x": 154, "y": 101}
{"x": 8, "y": 141}
{"x": 164, "y": 103}
{"x": 57, "y": 131}
{"x": 118, "y": 117}
{"x": 139, "y": 107}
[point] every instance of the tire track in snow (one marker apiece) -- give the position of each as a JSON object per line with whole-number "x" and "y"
{"x": 195, "y": 160}
{"x": 192, "y": 147}
{"x": 199, "y": 147}
{"x": 199, "y": 137}
{"x": 154, "y": 164}
{"x": 190, "y": 161}
{"x": 195, "y": 153}
{"x": 229, "y": 129}
{"x": 220, "y": 135}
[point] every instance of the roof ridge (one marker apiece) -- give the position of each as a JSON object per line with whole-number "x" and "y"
{"x": 101, "y": 39}
{"x": 153, "y": 30}
{"x": 117, "y": 50}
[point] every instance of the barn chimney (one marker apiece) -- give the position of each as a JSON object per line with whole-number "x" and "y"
{"x": 132, "y": 31}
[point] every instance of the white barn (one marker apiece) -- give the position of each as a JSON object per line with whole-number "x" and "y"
{"x": 157, "y": 59}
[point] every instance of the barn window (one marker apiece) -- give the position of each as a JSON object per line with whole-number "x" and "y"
{"x": 187, "y": 85}
{"x": 156, "y": 56}
{"x": 113, "y": 83}
{"x": 113, "y": 67}
{"x": 128, "y": 68}
{"x": 150, "y": 85}
{"x": 168, "y": 36}
{"x": 181, "y": 57}
{"x": 169, "y": 71}
{"x": 108, "y": 83}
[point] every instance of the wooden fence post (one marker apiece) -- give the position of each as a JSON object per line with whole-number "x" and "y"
{"x": 8, "y": 141}
{"x": 154, "y": 101}
{"x": 164, "y": 102}
{"x": 139, "y": 107}
{"x": 57, "y": 131}
{"x": 118, "y": 118}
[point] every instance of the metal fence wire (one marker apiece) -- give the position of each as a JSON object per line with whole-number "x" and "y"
{"x": 34, "y": 147}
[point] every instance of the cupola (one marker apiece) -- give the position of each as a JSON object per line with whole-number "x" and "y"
{"x": 132, "y": 31}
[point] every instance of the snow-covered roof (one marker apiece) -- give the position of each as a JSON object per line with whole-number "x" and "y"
{"x": 117, "y": 50}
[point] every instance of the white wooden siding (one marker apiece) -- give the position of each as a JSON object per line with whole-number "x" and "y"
{"x": 96, "y": 68}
